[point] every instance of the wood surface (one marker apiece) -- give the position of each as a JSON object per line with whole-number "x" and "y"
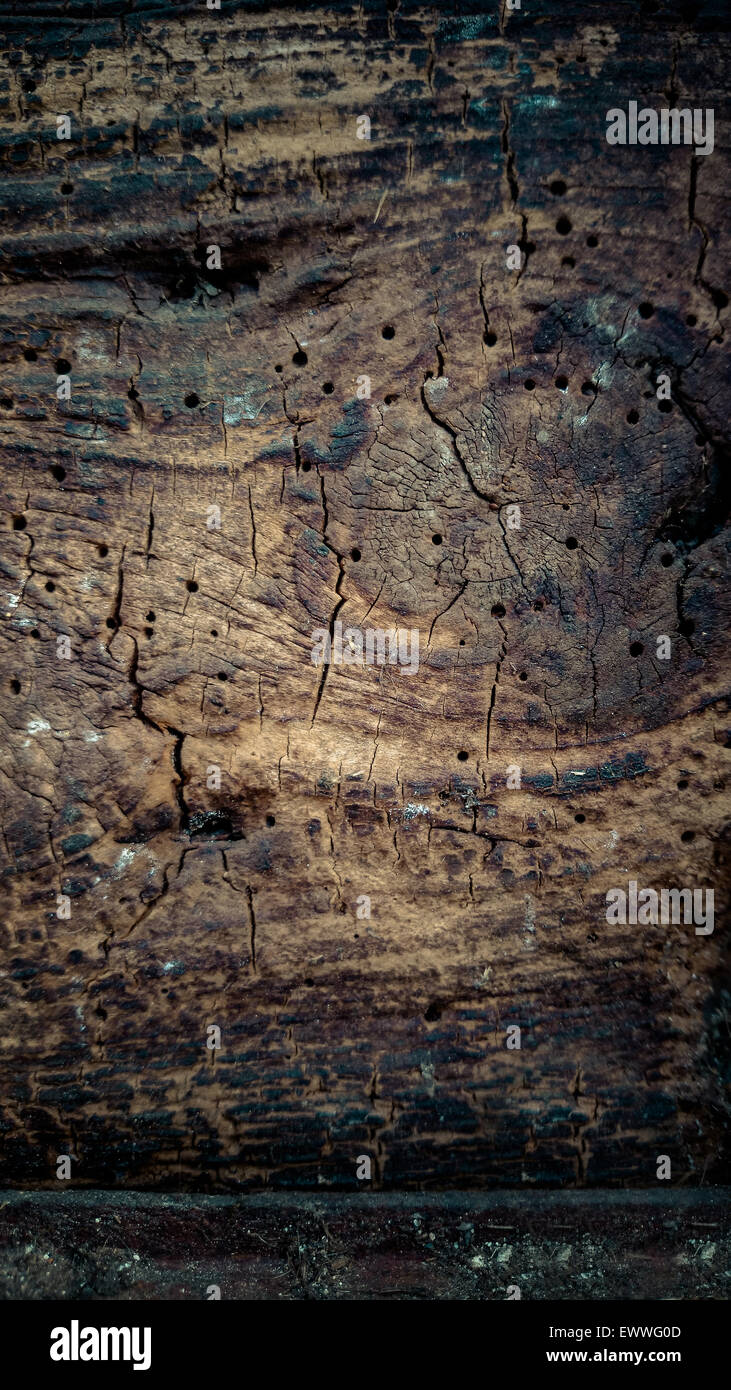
{"x": 191, "y": 647}
{"x": 585, "y": 1246}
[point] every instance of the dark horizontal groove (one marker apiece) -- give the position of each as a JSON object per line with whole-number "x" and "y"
{"x": 89, "y": 11}
{"x": 519, "y": 1203}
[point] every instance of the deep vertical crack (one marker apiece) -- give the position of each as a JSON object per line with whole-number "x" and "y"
{"x": 331, "y": 630}
{"x": 252, "y": 926}
{"x": 177, "y": 757}
{"x": 253, "y": 532}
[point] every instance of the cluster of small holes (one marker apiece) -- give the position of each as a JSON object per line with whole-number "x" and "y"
{"x": 299, "y": 359}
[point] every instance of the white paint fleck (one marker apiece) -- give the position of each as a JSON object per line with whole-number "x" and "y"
{"x": 414, "y": 808}
{"x": 38, "y": 726}
{"x": 124, "y": 861}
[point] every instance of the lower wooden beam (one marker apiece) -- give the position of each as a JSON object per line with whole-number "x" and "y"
{"x": 591, "y": 1246}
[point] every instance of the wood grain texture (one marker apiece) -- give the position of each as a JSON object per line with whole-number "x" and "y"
{"x": 191, "y": 647}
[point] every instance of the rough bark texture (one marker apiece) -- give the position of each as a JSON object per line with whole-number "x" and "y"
{"x": 191, "y": 647}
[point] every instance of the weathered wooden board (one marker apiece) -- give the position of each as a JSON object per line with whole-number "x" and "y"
{"x": 586, "y": 1246}
{"x": 191, "y": 647}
